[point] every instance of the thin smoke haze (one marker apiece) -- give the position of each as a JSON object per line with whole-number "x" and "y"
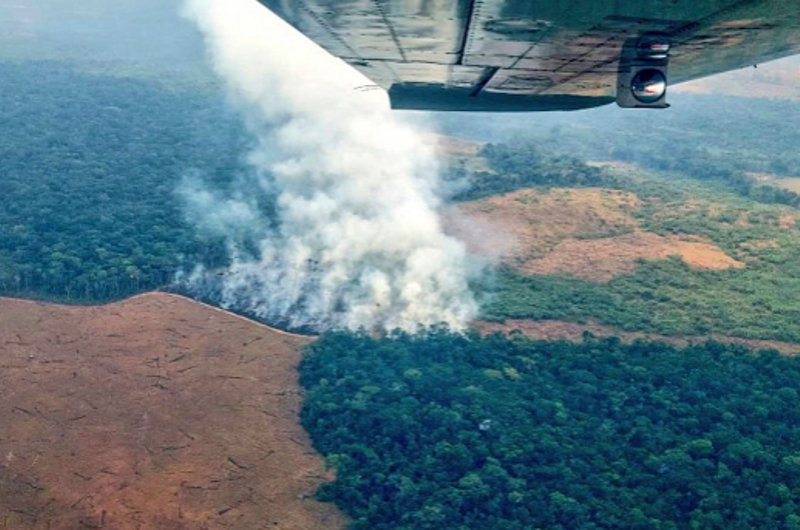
{"x": 356, "y": 240}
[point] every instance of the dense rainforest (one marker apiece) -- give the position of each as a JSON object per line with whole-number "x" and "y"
{"x": 442, "y": 431}
{"x": 88, "y": 171}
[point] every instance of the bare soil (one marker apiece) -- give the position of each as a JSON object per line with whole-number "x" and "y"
{"x": 589, "y": 233}
{"x": 572, "y": 331}
{"x": 156, "y": 413}
{"x": 603, "y": 259}
{"x": 539, "y": 220}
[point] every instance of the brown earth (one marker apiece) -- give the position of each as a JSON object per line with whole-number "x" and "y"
{"x": 589, "y": 233}
{"x": 759, "y": 244}
{"x": 603, "y": 259}
{"x": 538, "y": 220}
{"x": 572, "y": 331}
{"x": 153, "y": 413}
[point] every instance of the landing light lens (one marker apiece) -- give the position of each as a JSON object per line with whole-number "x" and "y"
{"x": 649, "y": 86}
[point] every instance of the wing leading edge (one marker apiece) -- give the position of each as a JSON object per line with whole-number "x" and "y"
{"x": 535, "y": 55}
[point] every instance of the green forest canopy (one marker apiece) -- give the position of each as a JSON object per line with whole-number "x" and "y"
{"x": 88, "y": 171}
{"x": 440, "y": 431}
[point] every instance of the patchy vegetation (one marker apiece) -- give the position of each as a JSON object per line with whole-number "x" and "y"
{"x": 577, "y": 332}
{"x": 512, "y": 167}
{"x": 709, "y": 138}
{"x": 713, "y": 261}
{"x": 590, "y": 233}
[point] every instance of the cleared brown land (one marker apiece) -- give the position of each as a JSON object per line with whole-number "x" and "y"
{"x": 603, "y": 259}
{"x": 572, "y": 331}
{"x": 154, "y": 413}
{"x": 537, "y": 221}
{"x": 589, "y": 233}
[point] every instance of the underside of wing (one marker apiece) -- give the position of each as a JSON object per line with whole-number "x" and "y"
{"x": 528, "y": 55}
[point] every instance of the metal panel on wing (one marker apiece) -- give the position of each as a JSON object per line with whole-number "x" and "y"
{"x": 535, "y": 54}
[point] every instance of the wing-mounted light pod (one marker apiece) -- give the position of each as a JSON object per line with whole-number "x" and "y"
{"x": 643, "y": 72}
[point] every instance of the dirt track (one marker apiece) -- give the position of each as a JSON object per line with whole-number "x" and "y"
{"x": 156, "y": 413}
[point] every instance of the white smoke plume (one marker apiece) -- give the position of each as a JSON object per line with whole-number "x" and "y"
{"x": 358, "y": 241}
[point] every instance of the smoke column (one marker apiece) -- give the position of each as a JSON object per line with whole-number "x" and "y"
{"x": 358, "y": 240}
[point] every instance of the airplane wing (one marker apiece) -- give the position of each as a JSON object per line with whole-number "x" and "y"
{"x": 529, "y": 55}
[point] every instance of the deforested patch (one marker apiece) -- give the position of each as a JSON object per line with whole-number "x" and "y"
{"x": 590, "y": 233}
{"x": 156, "y": 412}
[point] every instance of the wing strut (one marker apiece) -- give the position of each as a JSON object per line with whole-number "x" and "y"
{"x": 486, "y": 78}
{"x": 462, "y": 50}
